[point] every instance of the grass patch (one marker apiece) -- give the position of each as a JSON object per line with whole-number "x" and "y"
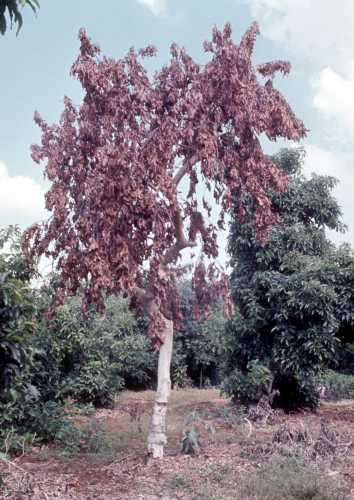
{"x": 338, "y": 385}
{"x": 177, "y": 482}
{"x": 204, "y": 495}
{"x": 287, "y": 478}
{"x": 96, "y": 443}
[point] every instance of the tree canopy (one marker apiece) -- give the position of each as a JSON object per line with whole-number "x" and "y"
{"x": 116, "y": 162}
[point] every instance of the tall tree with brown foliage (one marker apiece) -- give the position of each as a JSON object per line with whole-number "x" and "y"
{"x": 119, "y": 218}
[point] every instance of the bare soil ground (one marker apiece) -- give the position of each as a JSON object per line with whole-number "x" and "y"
{"x": 233, "y": 447}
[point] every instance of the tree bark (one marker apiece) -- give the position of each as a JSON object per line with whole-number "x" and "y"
{"x": 157, "y": 432}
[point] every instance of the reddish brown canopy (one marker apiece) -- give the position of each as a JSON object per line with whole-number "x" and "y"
{"x": 116, "y": 161}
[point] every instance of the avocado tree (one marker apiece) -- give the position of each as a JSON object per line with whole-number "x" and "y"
{"x": 119, "y": 165}
{"x": 292, "y": 294}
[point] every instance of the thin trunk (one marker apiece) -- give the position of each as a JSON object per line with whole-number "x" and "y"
{"x": 157, "y": 433}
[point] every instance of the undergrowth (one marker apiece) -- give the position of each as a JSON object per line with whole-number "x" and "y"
{"x": 338, "y": 385}
{"x": 288, "y": 478}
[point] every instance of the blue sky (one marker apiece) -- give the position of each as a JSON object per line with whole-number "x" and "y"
{"x": 315, "y": 35}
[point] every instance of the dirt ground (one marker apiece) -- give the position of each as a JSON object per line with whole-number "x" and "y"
{"x": 115, "y": 466}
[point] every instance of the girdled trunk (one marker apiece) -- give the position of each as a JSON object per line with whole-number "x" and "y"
{"x": 157, "y": 433}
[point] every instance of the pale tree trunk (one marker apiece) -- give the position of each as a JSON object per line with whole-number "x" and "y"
{"x": 157, "y": 433}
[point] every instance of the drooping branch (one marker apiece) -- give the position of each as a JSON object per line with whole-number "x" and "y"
{"x": 142, "y": 296}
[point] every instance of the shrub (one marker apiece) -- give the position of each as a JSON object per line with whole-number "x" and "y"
{"x": 16, "y": 310}
{"x": 296, "y": 391}
{"x": 249, "y": 385}
{"x": 198, "y": 344}
{"x": 93, "y": 358}
{"x": 94, "y": 382}
{"x": 89, "y": 359}
{"x": 26, "y": 419}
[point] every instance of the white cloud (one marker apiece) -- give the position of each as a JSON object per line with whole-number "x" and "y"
{"x": 321, "y": 33}
{"x": 21, "y": 199}
{"x": 317, "y": 31}
{"x": 341, "y": 166}
{"x": 334, "y": 99}
{"x": 157, "y": 7}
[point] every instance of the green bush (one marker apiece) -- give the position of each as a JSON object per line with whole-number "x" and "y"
{"x": 296, "y": 391}
{"x": 198, "y": 344}
{"x": 41, "y": 363}
{"x": 26, "y": 419}
{"x": 93, "y": 358}
{"x": 16, "y": 310}
{"x": 249, "y": 385}
{"x": 94, "y": 382}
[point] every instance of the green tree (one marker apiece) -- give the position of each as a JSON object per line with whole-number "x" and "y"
{"x": 287, "y": 321}
{"x": 11, "y": 9}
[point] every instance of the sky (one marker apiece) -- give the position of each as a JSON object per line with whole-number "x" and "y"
{"x": 317, "y": 36}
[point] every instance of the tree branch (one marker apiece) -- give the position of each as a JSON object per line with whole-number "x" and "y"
{"x": 184, "y": 169}
{"x": 181, "y": 240}
{"x": 174, "y": 251}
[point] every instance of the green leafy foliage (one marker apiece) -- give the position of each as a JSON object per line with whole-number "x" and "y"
{"x": 198, "y": 345}
{"x": 26, "y": 419}
{"x": 88, "y": 359}
{"x": 16, "y": 310}
{"x": 287, "y": 291}
{"x": 95, "y": 357}
{"x": 26, "y": 414}
{"x": 248, "y": 385}
{"x": 11, "y": 8}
